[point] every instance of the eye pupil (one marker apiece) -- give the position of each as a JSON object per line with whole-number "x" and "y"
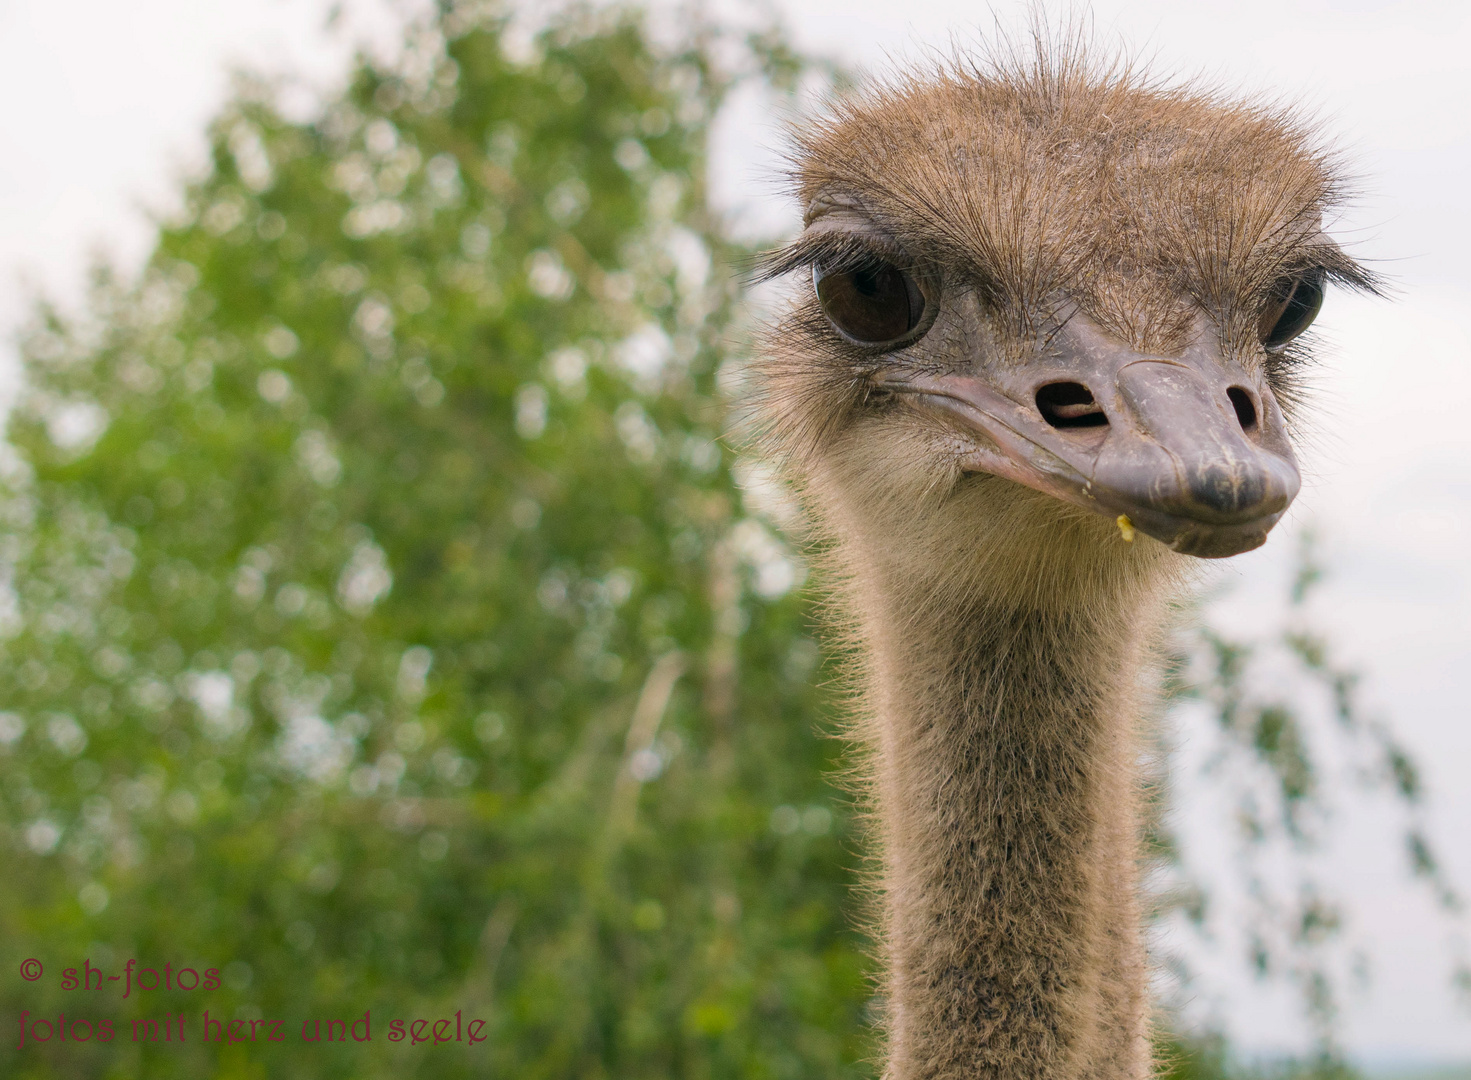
{"x": 1293, "y": 305}
{"x": 873, "y": 304}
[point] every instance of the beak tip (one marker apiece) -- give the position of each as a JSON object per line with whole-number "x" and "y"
{"x": 1217, "y": 542}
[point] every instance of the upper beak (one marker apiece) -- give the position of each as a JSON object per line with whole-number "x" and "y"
{"x": 1191, "y": 449}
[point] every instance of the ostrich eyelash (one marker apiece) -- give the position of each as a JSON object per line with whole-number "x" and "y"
{"x": 837, "y": 251}
{"x": 1335, "y": 266}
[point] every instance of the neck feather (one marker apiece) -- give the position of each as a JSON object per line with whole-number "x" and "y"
{"x": 1003, "y": 730}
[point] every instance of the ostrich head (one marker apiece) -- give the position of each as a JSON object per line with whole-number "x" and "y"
{"x": 1049, "y": 305}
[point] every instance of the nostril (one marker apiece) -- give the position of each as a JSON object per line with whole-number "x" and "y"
{"x": 1069, "y": 405}
{"x": 1245, "y": 410}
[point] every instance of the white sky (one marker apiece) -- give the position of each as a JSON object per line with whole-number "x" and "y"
{"x": 110, "y": 102}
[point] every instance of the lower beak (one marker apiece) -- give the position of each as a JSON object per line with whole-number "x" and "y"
{"x": 1191, "y": 450}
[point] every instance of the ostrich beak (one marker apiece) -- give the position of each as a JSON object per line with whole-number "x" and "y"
{"x": 1192, "y": 449}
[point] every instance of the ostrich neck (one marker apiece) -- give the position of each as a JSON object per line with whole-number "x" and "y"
{"x": 1006, "y": 802}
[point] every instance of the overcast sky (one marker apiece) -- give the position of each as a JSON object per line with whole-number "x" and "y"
{"x": 109, "y": 103}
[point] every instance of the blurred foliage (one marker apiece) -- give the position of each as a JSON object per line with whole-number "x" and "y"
{"x": 387, "y": 628}
{"x": 1287, "y": 737}
{"x": 1208, "y": 1058}
{"x": 388, "y": 632}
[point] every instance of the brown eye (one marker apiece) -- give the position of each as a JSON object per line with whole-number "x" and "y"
{"x": 873, "y": 304}
{"x": 1290, "y": 309}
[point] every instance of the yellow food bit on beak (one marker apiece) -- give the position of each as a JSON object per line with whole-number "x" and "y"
{"x": 1126, "y": 528}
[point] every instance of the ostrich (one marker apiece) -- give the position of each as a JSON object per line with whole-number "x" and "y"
{"x": 1043, "y": 353}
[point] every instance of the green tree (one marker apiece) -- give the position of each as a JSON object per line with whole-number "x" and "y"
{"x": 388, "y": 632}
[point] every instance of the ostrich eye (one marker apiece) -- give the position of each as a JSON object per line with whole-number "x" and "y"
{"x": 873, "y": 304}
{"x": 1290, "y": 309}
